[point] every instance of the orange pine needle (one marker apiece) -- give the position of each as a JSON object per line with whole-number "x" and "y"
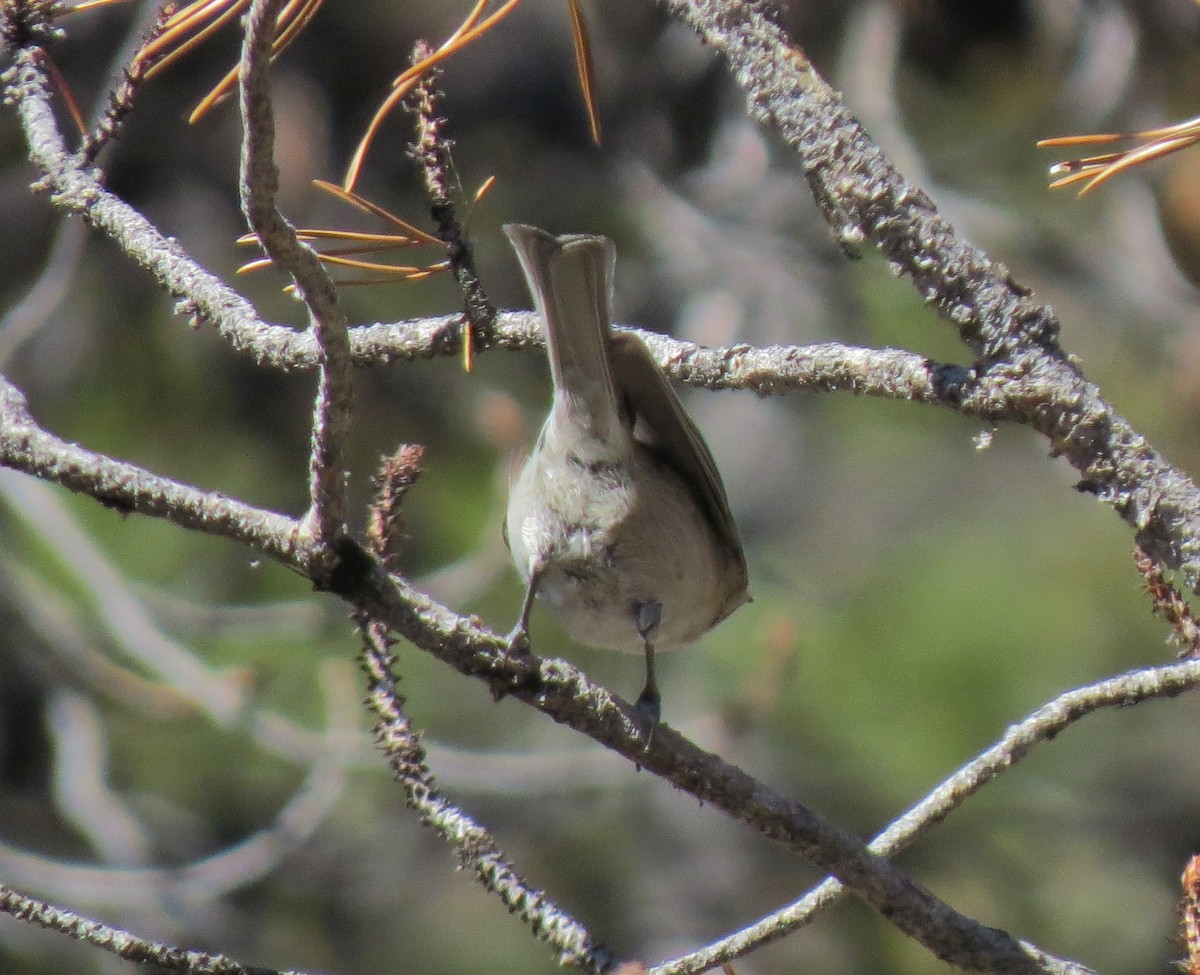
{"x": 1088, "y": 163}
{"x": 1188, "y": 127}
{"x": 331, "y": 257}
{"x": 92, "y": 5}
{"x": 220, "y": 91}
{"x": 408, "y": 272}
{"x": 354, "y": 170}
{"x": 308, "y": 237}
{"x": 1082, "y": 140}
{"x": 468, "y": 347}
{"x": 181, "y": 23}
{"x": 292, "y": 19}
{"x": 471, "y": 20}
{"x": 371, "y": 282}
{"x": 256, "y": 265}
{"x": 365, "y": 243}
{"x": 67, "y": 95}
{"x": 585, "y": 67}
{"x": 360, "y": 243}
{"x": 192, "y": 42}
{"x": 1094, "y": 171}
{"x": 373, "y": 241}
{"x": 193, "y": 24}
{"x": 195, "y": 12}
{"x": 488, "y": 183}
{"x": 375, "y": 210}
{"x": 467, "y": 31}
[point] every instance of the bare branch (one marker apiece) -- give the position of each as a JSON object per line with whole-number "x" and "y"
{"x": 432, "y": 152}
{"x": 565, "y": 694}
{"x": 205, "y": 879}
{"x": 25, "y": 446}
{"x": 120, "y": 943}
{"x": 28, "y": 315}
{"x": 863, "y": 197}
{"x": 326, "y": 517}
{"x": 1042, "y": 725}
{"x": 472, "y": 842}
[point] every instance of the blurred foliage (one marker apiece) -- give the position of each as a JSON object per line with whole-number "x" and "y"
{"x": 913, "y": 594}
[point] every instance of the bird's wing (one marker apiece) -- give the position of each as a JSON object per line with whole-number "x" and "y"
{"x": 663, "y": 425}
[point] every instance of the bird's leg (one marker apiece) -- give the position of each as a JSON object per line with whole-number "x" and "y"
{"x": 518, "y": 637}
{"x": 649, "y": 702}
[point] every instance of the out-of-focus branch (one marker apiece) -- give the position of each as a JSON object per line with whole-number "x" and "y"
{"x": 205, "y": 879}
{"x": 52, "y": 285}
{"x": 864, "y": 197}
{"x": 326, "y": 517}
{"x": 1042, "y": 725}
{"x": 208, "y": 878}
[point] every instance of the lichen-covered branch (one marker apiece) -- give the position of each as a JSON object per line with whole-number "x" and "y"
{"x": 472, "y": 842}
{"x": 326, "y": 517}
{"x": 25, "y": 446}
{"x": 1043, "y": 725}
{"x": 565, "y": 694}
{"x": 554, "y": 687}
{"x": 121, "y": 943}
{"x": 1013, "y": 338}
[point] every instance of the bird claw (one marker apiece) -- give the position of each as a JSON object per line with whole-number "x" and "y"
{"x": 518, "y": 642}
{"x": 648, "y": 708}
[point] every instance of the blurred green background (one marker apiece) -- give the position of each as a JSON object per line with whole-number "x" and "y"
{"x": 165, "y": 698}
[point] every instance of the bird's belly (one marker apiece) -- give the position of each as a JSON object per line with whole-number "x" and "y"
{"x": 600, "y": 605}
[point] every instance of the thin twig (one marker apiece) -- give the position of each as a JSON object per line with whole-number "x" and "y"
{"x": 120, "y": 98}
{"x": 472, "y": 842}
{"x": 432, "y": 153}
{"x": 1169, "y": 604}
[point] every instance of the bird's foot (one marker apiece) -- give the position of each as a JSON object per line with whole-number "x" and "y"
{"x": 648, "y": 708}
{"x": 517, "y": 642}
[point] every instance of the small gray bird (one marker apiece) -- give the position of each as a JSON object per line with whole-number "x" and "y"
{"x": 619, "y": 519}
